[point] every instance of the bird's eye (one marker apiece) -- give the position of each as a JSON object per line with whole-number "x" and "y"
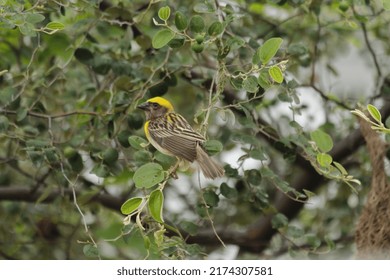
{"x": 155, "y": 105}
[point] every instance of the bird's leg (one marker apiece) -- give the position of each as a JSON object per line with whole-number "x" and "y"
{"x": 173, "y": 168}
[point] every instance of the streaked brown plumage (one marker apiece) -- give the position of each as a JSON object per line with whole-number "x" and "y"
{"x": 171, "y": 134}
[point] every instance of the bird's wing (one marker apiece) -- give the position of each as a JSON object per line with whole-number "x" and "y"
{"x": 179, "y": 139}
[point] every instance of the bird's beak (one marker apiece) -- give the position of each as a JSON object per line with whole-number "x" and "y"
{"x": 144, "y": 106}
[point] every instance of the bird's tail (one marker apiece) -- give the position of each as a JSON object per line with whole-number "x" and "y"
{"x": 209, "y": 167}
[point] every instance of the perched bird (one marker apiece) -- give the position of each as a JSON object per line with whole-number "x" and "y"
{"x": 172, "y": 135}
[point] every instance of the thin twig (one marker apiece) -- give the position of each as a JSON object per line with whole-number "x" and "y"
{"x": 371, "y": 50}
{"x": 73, "y": 187}
{"x": 209, "y": 216}
{"x": 55, "y": 116}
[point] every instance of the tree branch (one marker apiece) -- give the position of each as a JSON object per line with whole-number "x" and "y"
{"x": 261, "y": 230}
{"x": 55, "y": 116}
{"x": 16, "y": 193}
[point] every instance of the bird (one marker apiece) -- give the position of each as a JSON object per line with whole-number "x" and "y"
{"x": 171, "y": 134}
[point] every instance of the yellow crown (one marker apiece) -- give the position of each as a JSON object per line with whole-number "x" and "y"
{"x": 162, "y": 101}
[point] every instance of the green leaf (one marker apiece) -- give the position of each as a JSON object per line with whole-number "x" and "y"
{"x": 308, "y": 193}
{"x": 264, "y": 79}
{"x": 386, "y": 4}
{"x": 137, "y": 142}
{"x": 7, "y": 95}
{"x": 295, "y": 232}
{"x": 181, "y": 21}
{"x": 277, "y": 181}
{"x": 148, "y": 175}
{"x": 159, "y": 236}
{"x": 4, "y": 123}
{"x": 101, "y": 65}
{"x": 256, "y": 8}
{"x": 340, "y": 168}
{"x": 55, "y": 25}
{"x": 323, "y": 140}
{"x": 123, "y": 138}
{"x": 131, "y": 205}
{"x": 213, "y": 147}
{"x": 51, "y": 156}
{"x": 84, "y": 56}
{"x": 142, "y": 157}
{"x": 257, "y": 154}
{"x": 230, "y": 171}
{"x": 155, "y": 205}
{"x": 215, "y": 28}
{"x": 164, "y": 159}
{"x": 202, "y": 210}
{"x": 38, "y": 143}
{"x": 17, "y": 19}
{"x": 268, "y": 50}
{"x": 276, "y": 74}
{"x": 313, "y": 241}
{"x": 158, "y": 89}
{"x": 236, "y": 82}
{"x": 76, "y": 162}
{"x": 228, "y": 192}
{"x": 147, "y": 241}
{"x": 189, "y": 227}
{"x": 250, "y": 84}
{"x": 21, "y": 113}
{"x": 161, "y": 38}
{"x": 285, "y": 96}
{"x": 253, "y": 176}
{"x": 90, "y": 250}
{"x": 100, "y": 170}
{"x": 211, "y": 198}
{"x": 36, "y": 157}
{"x": 235, "y": 43}
{"x": 361, "y": 18}
{"x": 279, "y": 221}
{"x": 197, "y": 24}
{"x": 374, "y": 112}
{"x": 324, "y": 160}
{"x": 30, "y": 130}
{"x": 330, "y": 243}
{"x": 28, "y": 29}
{"x": 297, "y": 49}
{"x": 34, "y": 18}
{"x": 227, "y": 115}
{"x": 110, "y": 156}
{"x": 205, "y": 7}
{"x": 164, "y": 13}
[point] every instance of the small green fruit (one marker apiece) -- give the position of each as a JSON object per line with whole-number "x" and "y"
{"x": 69, "y": 152}
{"x": 215, "y": 28}
{"x": 123, "y": 137}
{"x": 198, "y": 48}
{"x": 197, "y": 24}
{"x": 135, "y": 121}
{"x": 181, "y": 21}
{"x": 199, "y": 38}
{"x": 110, "y": 156}
{"x": 343, "y": 6}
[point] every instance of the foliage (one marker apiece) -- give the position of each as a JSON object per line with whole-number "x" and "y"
{"x": 78, "y": 179}
{"x": 377, "y": 123}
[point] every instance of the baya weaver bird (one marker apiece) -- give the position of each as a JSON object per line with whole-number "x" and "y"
{"x": 172, "y": 135}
